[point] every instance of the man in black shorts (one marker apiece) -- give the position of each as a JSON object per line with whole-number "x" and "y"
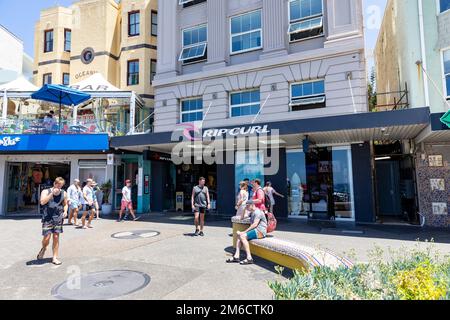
{"x": 200, "y": 204}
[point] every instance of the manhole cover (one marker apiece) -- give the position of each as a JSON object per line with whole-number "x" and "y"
{"x": 135, "y": 234}
{"x": 101, "y": 285}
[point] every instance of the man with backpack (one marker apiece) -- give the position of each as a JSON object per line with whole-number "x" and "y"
{"x": 200, "y": 204}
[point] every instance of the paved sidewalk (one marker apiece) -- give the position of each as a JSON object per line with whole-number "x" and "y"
{"x": 180, "y": 266}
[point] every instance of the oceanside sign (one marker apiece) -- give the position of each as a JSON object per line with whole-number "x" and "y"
{"x": 9, "y": 141}
{"x": 234, "y": 132}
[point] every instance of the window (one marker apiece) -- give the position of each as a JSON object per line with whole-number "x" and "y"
{"x": 133, "y": 23}
{"x": 154, "y": 23}
{"x": 306, "y": 19}
{"x": 133, "y": 73}
{"x": 444, "y": 5}
{"x": 48, "y": 41}
{"x": 245, "y": 103}
{"x": 194, "y": 44}
{"x": 47, "y": 79}
{"x": 67, "y": 39}
{"x": 447, "y": 72}
{"x": 66, "y": 79}
{"x": 152, "y": 70}
{"x": 188, "y": 3}
{"x": 246, "y": 32}
{"x": 307, "y": 95}
{"x": 191, "y": 110}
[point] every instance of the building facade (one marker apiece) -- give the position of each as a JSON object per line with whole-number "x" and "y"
{"x": 413, "y": 52}
{"x": 14, "y": 62}
{"x": 105, "y": 48}
{"x": 116, "y": 39}
{"x": 292, "y": 73}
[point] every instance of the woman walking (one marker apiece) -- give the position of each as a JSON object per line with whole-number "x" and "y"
{"x": 242, "y": 199}
{"x": 270, "y": 191}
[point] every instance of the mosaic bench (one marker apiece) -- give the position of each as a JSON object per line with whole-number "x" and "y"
{"x": 287, "y": 253}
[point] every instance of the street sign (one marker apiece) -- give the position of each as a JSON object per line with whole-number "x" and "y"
{"x": 446, "y": 119}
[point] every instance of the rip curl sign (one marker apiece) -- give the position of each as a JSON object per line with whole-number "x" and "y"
{"x": 9, "y": 141}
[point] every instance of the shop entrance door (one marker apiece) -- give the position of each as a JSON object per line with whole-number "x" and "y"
{"x": 26, "y": 180}
{"x": 320, "y": 184}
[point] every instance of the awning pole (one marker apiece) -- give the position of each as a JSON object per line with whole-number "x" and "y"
{"x": 5, "y": 106}
{"x": 74, "y": 115}
{"x": 132, "y": 112}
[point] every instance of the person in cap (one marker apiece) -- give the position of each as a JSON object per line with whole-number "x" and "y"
{"x": 126, "y": 203}
{"x": 74, "y": 193}
{"x": 256, "y": 230}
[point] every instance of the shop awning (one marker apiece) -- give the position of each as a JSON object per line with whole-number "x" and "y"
{"x": 351, "y": 128}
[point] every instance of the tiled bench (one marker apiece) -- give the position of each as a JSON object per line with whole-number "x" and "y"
{"x": 287, "y": 253}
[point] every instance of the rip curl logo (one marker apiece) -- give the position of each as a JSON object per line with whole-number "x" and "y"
{"x": 8, "y": 141}
{"x": 190, "y": 131}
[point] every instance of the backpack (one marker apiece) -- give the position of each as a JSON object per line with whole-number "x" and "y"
{"x": 271, "y": 222}
{"x": 266, "y": 202}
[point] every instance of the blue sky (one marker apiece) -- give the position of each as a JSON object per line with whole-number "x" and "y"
{"x": 19, "y": 16}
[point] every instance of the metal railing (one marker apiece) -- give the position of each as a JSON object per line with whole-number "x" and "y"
{"x": 393, "y": 100}
{"x": 43, "y": 126}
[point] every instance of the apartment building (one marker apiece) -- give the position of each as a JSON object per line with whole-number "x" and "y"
{"x": 291, "y": 69}
{"x": 114, "y": 38}
{"x": 413, "y": 66}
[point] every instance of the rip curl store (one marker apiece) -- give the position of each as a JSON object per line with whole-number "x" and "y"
{"x": 30, "y": 163}
{"x": 325, "y": 167}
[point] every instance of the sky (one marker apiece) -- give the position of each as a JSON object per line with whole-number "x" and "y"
{"x": 20, "y": 16}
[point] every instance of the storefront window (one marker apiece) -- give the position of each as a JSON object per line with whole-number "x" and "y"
{"x": 320, "y": 183}
{"x": 249, "y": 165}
{"x": 296, "y": 182}
{"x": 342, "y": 183}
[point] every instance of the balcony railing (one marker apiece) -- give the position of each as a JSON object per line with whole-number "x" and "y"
{"x": 393, "y": 100}
{"x": 40, "y": 126}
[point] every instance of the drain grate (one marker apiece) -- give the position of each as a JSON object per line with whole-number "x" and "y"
{"x": 102, "y": 285}
{"x": 139, "y": 234}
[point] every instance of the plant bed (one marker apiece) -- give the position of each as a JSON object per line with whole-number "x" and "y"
{"x": 414, "y": 274}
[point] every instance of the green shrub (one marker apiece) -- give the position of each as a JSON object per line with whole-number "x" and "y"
{"x": 415, "y": 274}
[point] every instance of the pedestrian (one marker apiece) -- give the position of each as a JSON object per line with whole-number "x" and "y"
{"x": 259, "y": 196}
{"x": 200, "y": 201}
{"x": 74, "y": 194}
{"x": 270, "y": 191}
{"x": 126, "y": 203}
{"x": 97, "y": 207}
{"x": 249, "y": 187}
{"x": 54, "y": 206}
{"x": 242, "y": 199}
{"x": 256, "y": 230}
{"x": 88, "y": 205}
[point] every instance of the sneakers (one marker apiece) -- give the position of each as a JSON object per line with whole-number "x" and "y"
{"x": 201, "y": 234}
{"x": 197, "y": 233}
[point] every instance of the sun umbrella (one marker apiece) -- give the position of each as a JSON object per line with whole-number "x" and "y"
{"x": 62, "y": 95}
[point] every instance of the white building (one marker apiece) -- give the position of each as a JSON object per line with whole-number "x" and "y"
{"x": 13, "y": 61}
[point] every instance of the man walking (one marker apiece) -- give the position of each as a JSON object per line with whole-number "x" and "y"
{"x": 74, "y": 194}
{"x": 200, "y": 204}
{"x": 54, "y": 206}
{"x": 89, "y": 209}
{"x": 126, "y": 203}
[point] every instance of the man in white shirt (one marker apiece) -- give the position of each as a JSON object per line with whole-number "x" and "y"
{"x": 126, "y": 202}
{"x": 74, "y": 193}
{"x": 89, "y": 208}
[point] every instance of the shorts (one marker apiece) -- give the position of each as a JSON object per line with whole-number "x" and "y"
{"x": 74, "y": 205}
{"x": 254, "y": 234}
{"x": 201, "y": 210}
{"x": 87, "y": 207}
{"x": 126, "y": 205}
{"x": 51, "y": 228}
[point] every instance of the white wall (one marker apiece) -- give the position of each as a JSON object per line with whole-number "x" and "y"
{"x": 11, "y": 56}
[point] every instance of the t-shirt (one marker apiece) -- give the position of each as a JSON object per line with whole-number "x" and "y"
{"x": 89, "y": 194}
{"x": 200, "y": 200}
{"x": 260, "y": 195}
{"x": 262, "y": 226}
{"x": 126, "y": 194}
{"x": 73, "y": 193}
